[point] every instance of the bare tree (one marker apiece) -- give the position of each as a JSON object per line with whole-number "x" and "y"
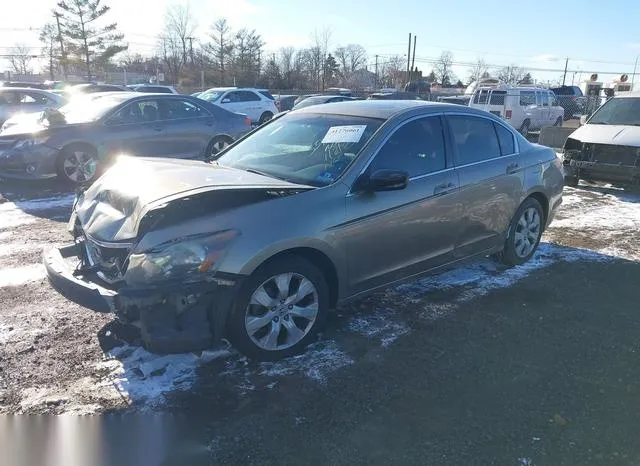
{"x": 221, "y": 46}
{"x": 442, "y": 68}
{"x": 392, "y": 71}
{"x": 50, "y": 47}
{"x": 286, "y": 64}
{"x": 478, "y": 70}
{"x": 511, "y": 74}
{"x": 20, "y": 58}
{"x": 320, "y": 49}
{"x": 350, "y": 59}
{"x": 180, "y": 24}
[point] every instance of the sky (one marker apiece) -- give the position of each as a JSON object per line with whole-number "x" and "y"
{"x": 536, "y": 35}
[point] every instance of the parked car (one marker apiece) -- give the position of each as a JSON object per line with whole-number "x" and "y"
{"x": 88, "y": 88}
{"x": 321, "y": 99}
{"x": 524, "y": 108}
{"x": 285, "y": 102}
{"x": 152, "y": 88}
{"x": 260, "y": 244}
{"x": 571, "y": 99}
{"x": 393, "y": 96}
{"x": 302, "y": 97}
{"x": 455, "y": 99}
{"x": 77, "y": 141}
{"x": 17, "y": 100}
{"x": 257, "y": 104}
{"x": 23, "y": 84}
{"x": 607, "y": 146}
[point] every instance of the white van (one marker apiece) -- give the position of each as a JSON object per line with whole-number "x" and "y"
{"x": 524, "y": 108}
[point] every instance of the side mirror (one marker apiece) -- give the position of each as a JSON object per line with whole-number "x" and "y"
{"x": 226, "y": 101}
{"x": 583, "y": 119}
{"x": 383, "y": 180}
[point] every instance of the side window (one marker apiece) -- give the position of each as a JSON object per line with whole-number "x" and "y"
{"x": 474, "y": 138}
{"x": 545, "y": 99}
{"x": 175, "y": 109}
{"x": 417, "y": 147}
{"x": 232, "y": 96}
{"x": 248, "y": 96}
{"x": 527, "y": 98}
{"x": 27, "y": 98}
{"x": 136, "y": 112}
{"x": 497, "y": 97}
{"x": 505, "y": 138}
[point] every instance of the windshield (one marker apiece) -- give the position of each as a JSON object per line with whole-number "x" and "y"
{"x": 308, "y": 102}
{"x": 621, "y": 111}
{"x": 211, "y": 96}
{"x": 86, "y": 109}
{"x": 311, "y": 149}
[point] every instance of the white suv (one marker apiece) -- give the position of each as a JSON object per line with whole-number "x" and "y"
{"x": 524, "y": 108}
{"x": 257, "y": 104}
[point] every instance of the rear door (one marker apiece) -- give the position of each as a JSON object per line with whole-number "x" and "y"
{"x": 395, "y": 234}
{"x": 491, "y": 180}
{"x": 189, "y": 127}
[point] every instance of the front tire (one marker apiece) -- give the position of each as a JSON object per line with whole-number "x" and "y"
{"x": 217, "y": 145}
{"x": 280, "y": 309}
{"x": 77, "y": 165}
{"x": 524, "y": 235}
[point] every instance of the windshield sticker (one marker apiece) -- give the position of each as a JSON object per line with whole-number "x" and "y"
{"x": 340, "y": 134}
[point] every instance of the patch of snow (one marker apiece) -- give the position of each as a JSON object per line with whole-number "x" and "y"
{"x": 21, "y": 275}
{"x": 380, "y": 324}
{"x": 34, "y": 205}
{"x": 144, "y": 378}
{"x": 12, "y": 248}
{"x": 4, "y": 235}
{"x": 15, "y": 218}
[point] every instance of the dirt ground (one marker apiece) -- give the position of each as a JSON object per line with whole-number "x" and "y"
{"x": 479, "y": 365}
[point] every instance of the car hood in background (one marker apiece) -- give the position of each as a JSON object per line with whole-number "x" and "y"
{"x": 621, "y": 135}
{"x": 112, "y": 208}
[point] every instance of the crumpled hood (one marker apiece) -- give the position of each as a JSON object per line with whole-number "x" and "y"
{"x": 111, "y": 209}
{"x": 608, "y": 134}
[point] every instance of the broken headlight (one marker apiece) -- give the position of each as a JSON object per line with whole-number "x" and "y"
{"x": 190, "y": 258}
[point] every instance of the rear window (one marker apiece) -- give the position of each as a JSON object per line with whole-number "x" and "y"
{"x": 567, "y": 90}
{"x": 497, "y": 98}
{"x": 481, "y": 97}
{"x": 267, "y": 95}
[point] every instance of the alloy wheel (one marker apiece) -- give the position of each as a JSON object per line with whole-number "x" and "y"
{"x": 281, "y": 311}
{"x": 80, "y": 166}
{"x": 528, "y": 231}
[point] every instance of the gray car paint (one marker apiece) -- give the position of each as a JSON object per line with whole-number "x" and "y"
{"x": 372, "y": 239}
{"x": 183, "y": 138}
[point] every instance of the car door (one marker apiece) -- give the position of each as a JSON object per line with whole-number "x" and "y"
{"x": 136, "y": 129}
{"x": 491, "y": 180}
{"x": 189, "y": 127}
{"x": 395, "y": 234}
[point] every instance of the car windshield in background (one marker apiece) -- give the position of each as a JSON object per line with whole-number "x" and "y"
{"x": 211, "y": 96}
{"x": 308, "y": 102}
{"x": 310, "y": 149}
{"x": 620, "y": 111}
{"x": 267, "y": 94}
{"x": 87, "y": 109}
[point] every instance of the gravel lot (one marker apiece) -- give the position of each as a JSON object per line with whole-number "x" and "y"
{"x": 479, "y": 365}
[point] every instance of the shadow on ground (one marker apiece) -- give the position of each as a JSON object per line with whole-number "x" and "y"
{"x": 542, "y": 370}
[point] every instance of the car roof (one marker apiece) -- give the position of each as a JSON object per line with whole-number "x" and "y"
{"x": 30, "y": 89}
{"x": 383, "y": 109}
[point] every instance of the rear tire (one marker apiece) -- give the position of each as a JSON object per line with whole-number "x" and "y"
{"x": 524, "y": 129}
{"x": 524, "y": 234}
{"x": 266, "y": 116}
{"x": 217, "y": 144}
{"x": 78, "y": 164}
{"x": 261, "y": 310}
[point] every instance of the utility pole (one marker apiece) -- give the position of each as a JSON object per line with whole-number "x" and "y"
{"x": 64, "y": 56}
{"x": 191, "y": 48}
{"x": 413, "y": 59}
{"x": 408, "y": 59}
{"x": 564, "y": 76}
{"x": 375, "y": 82}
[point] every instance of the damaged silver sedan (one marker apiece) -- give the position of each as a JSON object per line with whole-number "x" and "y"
{"x": 317, "y": 207}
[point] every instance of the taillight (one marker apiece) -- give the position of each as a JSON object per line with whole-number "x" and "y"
{"x": 247, "y": 121}
{"x": 507, "y": 114}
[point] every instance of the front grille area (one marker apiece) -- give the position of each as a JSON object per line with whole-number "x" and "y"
{"x": 618, "y": 155}
{"x": 109, "y": 261}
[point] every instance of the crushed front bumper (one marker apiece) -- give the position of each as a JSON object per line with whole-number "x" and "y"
{"x": 172, "y": 316}
{"x": 37, "y": 163}
{"x": 598, "y": 171}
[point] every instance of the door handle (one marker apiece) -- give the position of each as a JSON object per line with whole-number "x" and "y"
{"x": 443, "y": 188}
{"x": 513, "y": 167}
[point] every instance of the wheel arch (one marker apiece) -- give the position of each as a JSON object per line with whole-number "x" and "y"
{"x": 542, "y": 199}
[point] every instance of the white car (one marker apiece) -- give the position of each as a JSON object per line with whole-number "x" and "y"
{"x": 153, "y": 88}
{"x": 524, "y": 108}
{"x": 257, "y": 104}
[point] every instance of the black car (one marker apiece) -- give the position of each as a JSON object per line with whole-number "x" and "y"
{"x": 571, "y": 99}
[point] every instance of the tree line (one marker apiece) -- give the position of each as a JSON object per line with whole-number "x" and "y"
{"x": 81, "y": 41}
